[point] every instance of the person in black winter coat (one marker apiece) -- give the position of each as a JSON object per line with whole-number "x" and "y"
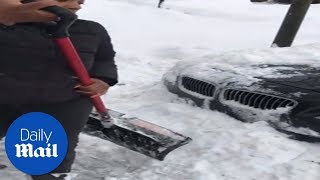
{"x": 35, "y": 77}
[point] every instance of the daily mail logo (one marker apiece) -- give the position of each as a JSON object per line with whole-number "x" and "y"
{"x": 27, "y": 150}
{"x": 36, "y": 140}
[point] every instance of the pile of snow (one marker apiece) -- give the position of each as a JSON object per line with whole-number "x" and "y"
{"x": 244, "y": 67}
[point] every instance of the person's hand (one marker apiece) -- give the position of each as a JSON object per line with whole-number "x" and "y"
{"x": 97, "y": 88}
{"x": 13, "y": 11}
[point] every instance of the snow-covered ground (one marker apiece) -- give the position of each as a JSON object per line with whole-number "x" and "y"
{"x": 149, "y": 41}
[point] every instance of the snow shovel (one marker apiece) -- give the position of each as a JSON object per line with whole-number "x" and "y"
{"x": 133, "y": 133}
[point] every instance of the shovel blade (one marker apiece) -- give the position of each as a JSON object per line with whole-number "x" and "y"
{"x": 137, "y": 135}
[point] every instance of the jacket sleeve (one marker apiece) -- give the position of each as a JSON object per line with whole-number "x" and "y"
{"x": 104, "y": 66}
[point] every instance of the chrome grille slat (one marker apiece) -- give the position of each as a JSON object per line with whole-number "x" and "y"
{"x": 275, "y": 104}
{"x": 198, "y": 86}
{"x": 206, "y": 89}
{"x": 237, "y": 95}
{"x": 233, "y": 95}
{"x": 191, "y": 86}
{"x": 252, "y": 98}
{"x": 227, "y": 95}
{"x": 284, "y": 103}
{"x": 257, "y": 100}
{"x": 269, "y": 103}
{"x": 243, "y": 97}
{"x": 263, "y": 102}
{"x": 202, "y": 87}
{"x": 211, "y": 89}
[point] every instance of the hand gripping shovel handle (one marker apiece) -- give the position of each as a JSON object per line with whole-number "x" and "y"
{"x": 61, "y": 35}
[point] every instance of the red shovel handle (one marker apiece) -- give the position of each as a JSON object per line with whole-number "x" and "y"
{"x": 74, "y": 61}
{"x": 60, "y": 36}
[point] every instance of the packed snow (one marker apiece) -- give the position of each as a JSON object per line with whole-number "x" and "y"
{"x": 149, "y": 41}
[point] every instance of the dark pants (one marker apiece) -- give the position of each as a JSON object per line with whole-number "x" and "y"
{"x": 72, "y": 114}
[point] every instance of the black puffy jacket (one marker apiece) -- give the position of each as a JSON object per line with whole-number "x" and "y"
{"x": 33, "y": 70}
